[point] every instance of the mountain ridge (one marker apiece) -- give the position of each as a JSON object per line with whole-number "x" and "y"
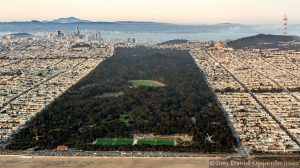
{"x": 69, "y": 20}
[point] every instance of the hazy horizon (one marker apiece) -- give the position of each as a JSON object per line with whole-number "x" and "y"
{"x": 176, "y": 11}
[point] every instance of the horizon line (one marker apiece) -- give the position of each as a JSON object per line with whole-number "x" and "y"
{"x": 139, "y": 21}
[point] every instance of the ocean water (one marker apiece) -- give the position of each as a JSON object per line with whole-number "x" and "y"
{"x": 172, "y": 36}
{"x": 158, "y": 37}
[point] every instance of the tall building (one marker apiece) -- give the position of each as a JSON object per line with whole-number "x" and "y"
{"x": 98, "y": 36}
{"x": 131, "y": 40}
{"x": 77, "y": 31}
{"x": 59, "y": 34}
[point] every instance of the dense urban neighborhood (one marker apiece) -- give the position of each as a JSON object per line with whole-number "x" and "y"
{"x": 35, "y": 72}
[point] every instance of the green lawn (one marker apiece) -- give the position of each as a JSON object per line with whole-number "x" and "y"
{"x": 146, "y": 83}
{"x": 156, "y": 142}
{"x": 114, "y": 141}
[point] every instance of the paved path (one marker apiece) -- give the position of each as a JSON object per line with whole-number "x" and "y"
{"x": 10, "y": 63}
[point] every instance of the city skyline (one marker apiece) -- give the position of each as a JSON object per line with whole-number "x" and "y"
{"x": 176, "y": 11}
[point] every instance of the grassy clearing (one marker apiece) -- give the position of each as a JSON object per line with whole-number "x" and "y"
{"x": 156, "y": 142}
{"x": 113, "y": 141}
{"x": 146, "y": 83}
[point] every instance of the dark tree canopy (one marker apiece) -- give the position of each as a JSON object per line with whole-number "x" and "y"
{"x": 83, "y": 113}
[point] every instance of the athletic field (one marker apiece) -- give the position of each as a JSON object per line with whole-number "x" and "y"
{"x": 113, "y": 141}
{"x": 146, "y": 83}
{"x": 156, "y": 142}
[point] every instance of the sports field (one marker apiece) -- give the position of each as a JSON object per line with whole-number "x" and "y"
{"x": 113, "y": 141}
{"x": 156, "y": 142}
{"x": 146, "y": 83}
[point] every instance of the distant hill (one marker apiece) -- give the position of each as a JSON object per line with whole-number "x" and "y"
{"x": 19, "y": 35}
{"x": 263, "y": 41}
{"x": 69, "y": 20}
{"x": 176, "y": 41}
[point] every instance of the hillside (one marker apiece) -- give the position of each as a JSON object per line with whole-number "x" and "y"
{"x": 19, "y": 35}
{"x": 136, "y": 91}
{"x": 176, "y": 41}
{"x": 263, "y": 41}
{"x": 69, "y": 20}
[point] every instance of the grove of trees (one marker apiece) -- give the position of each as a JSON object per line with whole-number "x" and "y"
{"x": 81, "y": 115}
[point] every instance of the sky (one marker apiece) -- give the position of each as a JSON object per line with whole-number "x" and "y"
{"x": 170, "y": 11}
